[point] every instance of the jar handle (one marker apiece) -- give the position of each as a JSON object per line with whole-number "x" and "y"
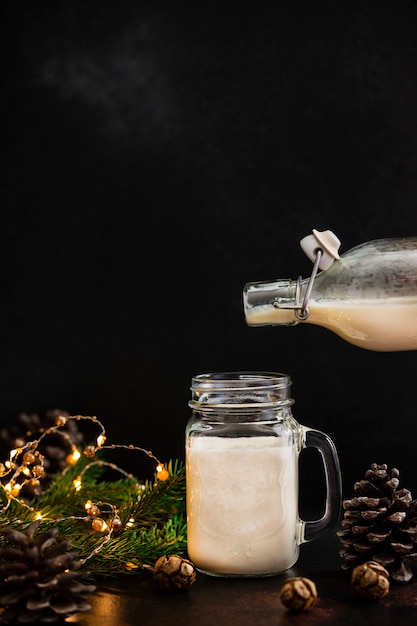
{"x": 314, "y": 529}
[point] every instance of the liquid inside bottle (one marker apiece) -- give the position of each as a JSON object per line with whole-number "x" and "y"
{"x": 368, "y": 297}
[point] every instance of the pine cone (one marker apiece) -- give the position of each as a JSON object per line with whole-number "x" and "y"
{"x": 173, "y": 572}
{"x": 298, "y": 594}
{"x": 54, "y": 447}
{"x": 39, "y": 581}
{"x": 380, "y": 524}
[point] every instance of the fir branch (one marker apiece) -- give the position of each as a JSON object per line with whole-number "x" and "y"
{"x": 154, "y": 503}
{"x": 118, "y": 526}
{"x": 129, "y": 551}
{"x": 152, "y": 515}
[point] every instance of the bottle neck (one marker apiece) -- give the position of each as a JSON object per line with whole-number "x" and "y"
{"x": 276, "y": 303}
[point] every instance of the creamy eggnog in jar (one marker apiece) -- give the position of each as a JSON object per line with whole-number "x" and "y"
{"x": 242, "y": 499}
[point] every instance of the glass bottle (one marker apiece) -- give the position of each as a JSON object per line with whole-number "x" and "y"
{"x": 367, "y": 296}
{"x": 242, "y": 475}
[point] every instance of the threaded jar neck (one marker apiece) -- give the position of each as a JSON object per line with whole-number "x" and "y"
{"x": 240, "y": 390}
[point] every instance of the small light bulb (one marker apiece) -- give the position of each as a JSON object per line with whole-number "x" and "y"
{"x": 72, "y": 458}
{"x": 60, "y": 420}
{"x": 101, "y": 439}
{"x": 15, "y": 489}
{"x": 162, "y": 474}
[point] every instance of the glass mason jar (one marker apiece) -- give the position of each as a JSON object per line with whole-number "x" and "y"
{"x": 242, "y": 475}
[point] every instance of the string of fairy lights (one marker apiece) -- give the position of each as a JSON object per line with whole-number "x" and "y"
{"x": 26, "y": 466}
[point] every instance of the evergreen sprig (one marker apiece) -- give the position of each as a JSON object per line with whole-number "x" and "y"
{"x": 152, "y": 515}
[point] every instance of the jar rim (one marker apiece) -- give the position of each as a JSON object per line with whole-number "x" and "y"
{"x": 241, "y": 379}
{"x": 240, "y": 390}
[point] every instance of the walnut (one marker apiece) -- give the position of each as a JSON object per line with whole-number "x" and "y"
{"x": 370, "y": 580}
{"x": 298, "y": 594}
{"x": 173, "y": 572}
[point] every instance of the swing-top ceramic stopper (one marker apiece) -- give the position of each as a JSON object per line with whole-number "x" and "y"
{"x": 327, "y": 242}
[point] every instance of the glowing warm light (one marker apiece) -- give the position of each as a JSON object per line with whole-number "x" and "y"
{"x": 140, "y": 490}
{"x": 14, "y": 489}
{"x": 130, "y": 523}
{"x": 92, "y": 509}
{"x": 60, "y": 420}
{"x": 38, "y": 516}
{"x": 101, "y": 440}
{"x": 77, "y": 482}
{"x": 73, "y": 457}
{"x": 162, "y": 473}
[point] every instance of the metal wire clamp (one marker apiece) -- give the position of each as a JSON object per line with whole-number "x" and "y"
{"x": 301, "y": 307}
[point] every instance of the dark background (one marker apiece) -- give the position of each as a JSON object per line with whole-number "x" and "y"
{"x": 157, "y": 156}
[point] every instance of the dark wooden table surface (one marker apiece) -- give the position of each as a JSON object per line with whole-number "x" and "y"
{"x": 135, "y": 601}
